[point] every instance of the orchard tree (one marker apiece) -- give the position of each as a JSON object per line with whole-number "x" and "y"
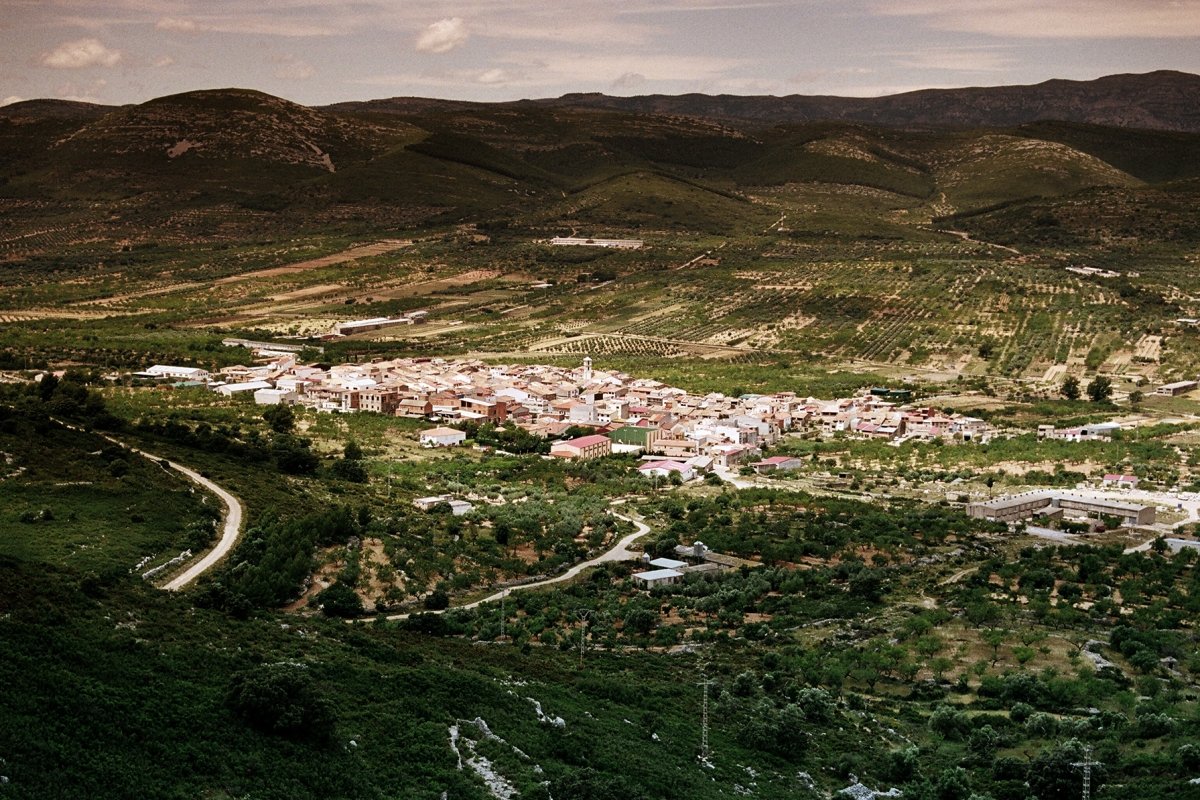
{"x": 1100, "y": 389}
{"x": 280, "y": 417}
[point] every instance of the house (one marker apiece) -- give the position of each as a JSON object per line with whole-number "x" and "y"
{"x": 379, "y": 400}
{"x": 668, "y": 563}
{"x": 593, "y": 446}
{"x": 1120, "y": 481}
{"x": 441, "y": 437}
{"x": 273, "y": 397}
{"x": 413, "y": 408}
{"x": 665, "y": 469}
{"x": 457, "y": 507}
{"x": 182, "y": 373}
{"x": 426, "y": 503}
{"x": 777, "y": 464}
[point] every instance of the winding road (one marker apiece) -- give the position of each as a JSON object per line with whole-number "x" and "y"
{"x": 618, "y": 552}
{"x": 229, "y": 531}
{"x": 232, "y": 515}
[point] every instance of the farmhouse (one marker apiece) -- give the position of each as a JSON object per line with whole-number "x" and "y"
{"x": 657, "y": 577}
{"x": 441, "y": 437}
{"x": 182, "y": 373}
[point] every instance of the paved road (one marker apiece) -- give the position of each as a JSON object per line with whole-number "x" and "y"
{"x": 618, "y": 552}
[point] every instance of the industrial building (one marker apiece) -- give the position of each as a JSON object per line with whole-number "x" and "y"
{"x": 1027, "y": 505}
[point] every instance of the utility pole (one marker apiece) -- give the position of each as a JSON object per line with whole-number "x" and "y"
{"x": 705, "y": 753}
{"x": 583, "y": 614}
{"x": 503, "y": 594}
{"x": 1087, "y": 765}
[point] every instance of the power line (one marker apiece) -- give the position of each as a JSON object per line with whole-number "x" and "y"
{"x": 705, "y": 753}
{"x": 1087, "y": 764}
{"x": 582, "y": 614}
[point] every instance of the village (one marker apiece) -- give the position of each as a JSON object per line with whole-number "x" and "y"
{"x": 674, "y": 435}
{"x": 681, "y": 433}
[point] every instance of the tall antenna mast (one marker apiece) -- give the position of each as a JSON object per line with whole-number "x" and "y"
{"x": 583, "y": 615}
{"x": 705, "y": 753}
{"x": 503, "y": 594}
{"x": 1087, "y": 765}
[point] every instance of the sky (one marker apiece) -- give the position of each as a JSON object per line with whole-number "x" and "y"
{"x": 325, "y": 51}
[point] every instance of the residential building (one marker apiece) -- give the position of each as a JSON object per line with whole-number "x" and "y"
{"x": 593, "y": 446}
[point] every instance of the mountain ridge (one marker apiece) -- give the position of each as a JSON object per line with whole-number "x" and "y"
{"x": 1160, "y": 100}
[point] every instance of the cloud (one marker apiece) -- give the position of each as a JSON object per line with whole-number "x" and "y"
{"x": 443, "y": 36}
{"x": 1061, "y": 19}
{"x": 256, "y": 23}
{"x": 289, "y": 67}
{"x": 495, "y": 77}
{"x": 956, "y": 59}
{"x": 628, "y": 81}
{"x": 162, "y": 61}
{"x": 81, "y": 53}
{"x": 580, "y": 71}
{"x": 177, "y": 24}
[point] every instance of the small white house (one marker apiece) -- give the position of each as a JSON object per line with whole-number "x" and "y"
{"x": 441, "y": 437}
{"x": 181, "y": 373}
{"x": 665, "y": 469}
{"x": 273, "y": 397}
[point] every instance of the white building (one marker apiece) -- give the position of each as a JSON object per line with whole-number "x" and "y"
{"x": 231, "y": 389}
{"x": 657, "y": 577}
{"x": 273, "y": 397}
{"x": 579, "y": 241}
{"x": 182, "y": 373}
{"x": 441, "y": 437}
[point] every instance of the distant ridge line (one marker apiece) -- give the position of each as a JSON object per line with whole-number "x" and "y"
{"x": 1165, "y": 100}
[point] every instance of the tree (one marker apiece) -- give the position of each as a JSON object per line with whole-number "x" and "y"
{"x": 1070, "y": 387}
{"x": 348, "y": 469}
{"x": 293, "y": 456}
{"x": 281, "y": 699}
{"x": 280, "y": 418}
{"x": 1100, "y": 389}
{"x": 1136, "y": 397}
{"x": 340, "y": 600}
